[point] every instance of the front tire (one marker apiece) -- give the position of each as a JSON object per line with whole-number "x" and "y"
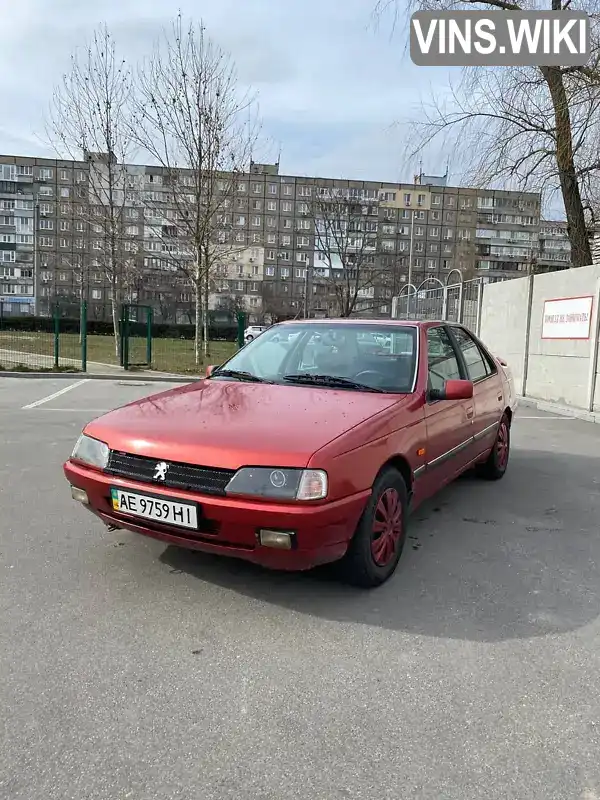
{"x": 378, "y": 541}
{"x": 495, "y": 467}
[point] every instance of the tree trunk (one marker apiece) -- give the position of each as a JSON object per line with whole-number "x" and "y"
{"x": 580, "y": 246}
{"x": 205, "y": 314}
{"x": 115, "y": 309}
{"x": 198, "y": 320}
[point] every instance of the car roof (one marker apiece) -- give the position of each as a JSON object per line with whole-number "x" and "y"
{"x": 418, "y": 323}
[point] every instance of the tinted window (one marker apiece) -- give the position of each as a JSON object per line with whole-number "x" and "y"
{"x": 477, "y": 366}
{"x": 441, "y": 357}
{"x": 380, "y": 356}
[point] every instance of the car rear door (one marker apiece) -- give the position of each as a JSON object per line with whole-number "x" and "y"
{"x": 488, "y": 394}
{"x": 449, "y": 423}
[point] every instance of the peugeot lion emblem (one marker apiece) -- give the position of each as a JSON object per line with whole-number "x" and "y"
{"x": 160, "y": 471}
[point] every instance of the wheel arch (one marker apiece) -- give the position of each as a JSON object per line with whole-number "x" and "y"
{"x": 400, "y": 463}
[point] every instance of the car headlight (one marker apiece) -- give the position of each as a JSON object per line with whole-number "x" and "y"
{"x": 279, "y": 484}
{"x": 91, "y": 451}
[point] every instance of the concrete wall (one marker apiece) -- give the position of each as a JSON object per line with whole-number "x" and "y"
{"x": 564, "y": 371}
{"x": 504, "y": 323}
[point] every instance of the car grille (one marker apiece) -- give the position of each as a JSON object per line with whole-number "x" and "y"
{"x": 206, "y": 480}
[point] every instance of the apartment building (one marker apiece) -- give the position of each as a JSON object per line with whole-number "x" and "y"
{"x": 275, "y": 261}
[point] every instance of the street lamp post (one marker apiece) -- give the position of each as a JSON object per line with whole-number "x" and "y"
{"x": 36, "y": 276}
{"x": 410, "y": 259}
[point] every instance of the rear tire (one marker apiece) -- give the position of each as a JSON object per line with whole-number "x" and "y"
{"x": 497, "y": 462}
{"x": 378, "y": 541}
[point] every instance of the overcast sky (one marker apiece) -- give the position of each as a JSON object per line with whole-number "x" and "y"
{"x": 334, "y": 87}
{"x": 331, "y": 85}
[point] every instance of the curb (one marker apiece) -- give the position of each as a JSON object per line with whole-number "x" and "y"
{"x": 564, "y": 411}
{"x": 117, "y": 376}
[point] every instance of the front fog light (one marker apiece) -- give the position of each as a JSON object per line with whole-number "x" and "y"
{"x": 80, "y": 496}
{"x": 281, "y": 540}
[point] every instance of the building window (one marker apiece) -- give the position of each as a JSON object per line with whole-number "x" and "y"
{"x": 284, "y": 272}
{"x": 286, "y": 240}
{"x": 45, "y": 173}
{"x": 270, "y": 271}
{"x": 272, "y": 188}
{"x": 272, "y": 205}
{"x": 256, "y": 238}
{"x": 46, "y": 191}
{"x": 304, "y": 191}
{"x": 64, "y": 224}
{"x": 240, "y": 220}
{"x": 24, "y": 169}
{"x": 46, "y": 224}
{"x": 287, "y": 190}
{"x": 256, "y": 222}
{"x": 46, "y": 241}
{"x": 287, "y": 206}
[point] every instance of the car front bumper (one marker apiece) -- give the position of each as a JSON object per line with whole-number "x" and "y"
{"x": 230, "y": 526}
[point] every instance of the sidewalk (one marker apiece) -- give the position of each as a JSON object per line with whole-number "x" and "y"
{"x": 556, "y": 408}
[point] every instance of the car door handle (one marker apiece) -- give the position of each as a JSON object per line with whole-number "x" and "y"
{"x": 470, "y": 412}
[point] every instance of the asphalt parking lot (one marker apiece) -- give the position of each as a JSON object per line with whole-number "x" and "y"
{"x": 129, "y": 669}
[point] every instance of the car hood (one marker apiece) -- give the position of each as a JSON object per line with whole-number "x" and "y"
{"x": 229, "y": 424}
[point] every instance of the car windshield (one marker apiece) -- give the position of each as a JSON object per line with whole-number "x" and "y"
{"x": 351, "y": 356}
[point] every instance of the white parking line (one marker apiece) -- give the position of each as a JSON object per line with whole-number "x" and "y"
{"x": 64, "y": 390}
{"x": 79, "y": 410}
{"x": 520, "y": 416}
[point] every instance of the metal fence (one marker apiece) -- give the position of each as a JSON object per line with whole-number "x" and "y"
{"x": 459, "y": 302}
{"x": 64, "y": 343}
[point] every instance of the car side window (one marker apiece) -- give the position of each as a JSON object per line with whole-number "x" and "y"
{"x": 442, "y": 363}
{"x": 477, "y": 365}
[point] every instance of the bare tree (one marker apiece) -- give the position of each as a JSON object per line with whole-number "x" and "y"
{"x": 535, "y": 127}
{"x": 88, "y": 120}
{"x": 348, "y": 261}
{"x": 194, "y": 121}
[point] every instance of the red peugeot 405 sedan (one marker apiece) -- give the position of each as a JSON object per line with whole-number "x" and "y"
{"x": 310, "y": 445}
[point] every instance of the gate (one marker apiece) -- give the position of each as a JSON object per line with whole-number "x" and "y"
{"x": 136, "y": 336}
{"x": 459, "y": 302}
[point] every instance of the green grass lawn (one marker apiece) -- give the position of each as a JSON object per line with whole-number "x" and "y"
{"x": 168, "y": 355}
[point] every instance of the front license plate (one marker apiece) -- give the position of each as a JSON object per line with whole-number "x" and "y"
{"x": 184, "y": 515}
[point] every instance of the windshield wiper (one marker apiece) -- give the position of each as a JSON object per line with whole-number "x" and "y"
{"x": 330, "y": 380}
{"x": 239, "y": 375}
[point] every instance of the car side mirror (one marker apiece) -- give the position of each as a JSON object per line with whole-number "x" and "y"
{"x": 453, "y": 390}
{"x": 210, "y": 370}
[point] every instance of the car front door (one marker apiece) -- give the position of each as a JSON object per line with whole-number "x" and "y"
{"x": 488, "y": 396}
{"x": 449, "y": 423}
